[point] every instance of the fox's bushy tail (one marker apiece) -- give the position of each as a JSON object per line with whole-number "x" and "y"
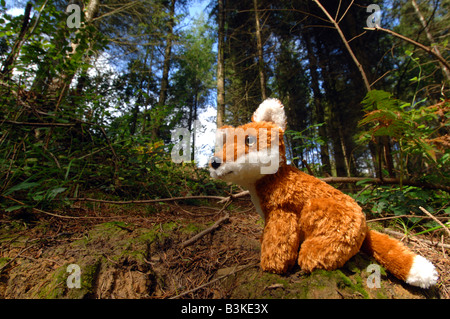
{"x": 399, "y": 260}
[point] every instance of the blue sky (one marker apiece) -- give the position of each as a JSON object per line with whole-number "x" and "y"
{"x": 195, "y": 9}
{"x": 205, "y": 136}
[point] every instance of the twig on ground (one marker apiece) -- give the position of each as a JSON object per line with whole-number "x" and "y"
{"x": 145, "y": 201}
{"x": 402, "y": 235}
{"x": 233, "y": 196}
{"x": 17, "y": 256}
{"x": 53, "y": 214}
{"x": 435, "y": 219}
{"x": 205, "y": 232}
{"x": 215, "y": 280}
{"x": 227, "y": 203}
{"x": 403, "y": 216}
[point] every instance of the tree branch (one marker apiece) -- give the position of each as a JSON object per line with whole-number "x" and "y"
{"x": 223, "y": 199}
{"x": 384, "y": 181}
{"x": 144, "y": 201}
{"x": 417, "y": 44}
{"x": 435, "y": 219}
{"x": 38, "y": 124}
{"x": 347, "y": 45}
{"x": 205, "y": 232}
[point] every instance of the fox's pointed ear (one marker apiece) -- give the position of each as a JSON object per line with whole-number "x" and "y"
{"x": 271, "y": 110}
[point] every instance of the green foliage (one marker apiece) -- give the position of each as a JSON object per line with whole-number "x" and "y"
{"x": 79, "y": 146}
{"x": 305, "y": 140}
{"x": 416, "y": 130}
{"x": 89, "y": 120}
{"x": 387, "y": 201}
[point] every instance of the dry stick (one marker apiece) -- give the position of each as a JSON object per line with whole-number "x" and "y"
{"x": 214, "y": 280}
{"x": 402, "y": 216}
{"x": 223, "y": 199}
{"x": 233, "y": 196}
{"x": 385, "y": 180}
{"x": 15, "y": 257}
{"x": 53, "y": 214}
{"x": 430, "y": 37}
{"x": 350, "y": 51}
{"x": 145, "y": 201}
{"x": 435, "y": 219}
{"x": 417, "y": 44}
{"x": 402, "y": 235}
{"x": 205, "y": 232}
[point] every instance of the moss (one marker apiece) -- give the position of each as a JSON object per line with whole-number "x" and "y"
{"x": 106, "y": 246}
{"x": 170, "y": 226}
{"x": 354, "y": 286}
{"x": 4, "y": 261}
{"x": 89, "y": 274}
{"x": 54, "y": 285}
{"x": 192, "y": 228}
{"x": 348, "y": 282}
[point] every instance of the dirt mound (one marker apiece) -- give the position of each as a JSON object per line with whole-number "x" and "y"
{"x": 141, "y": 257}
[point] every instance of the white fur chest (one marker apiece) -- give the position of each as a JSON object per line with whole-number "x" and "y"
{"x": 255, "y": 200}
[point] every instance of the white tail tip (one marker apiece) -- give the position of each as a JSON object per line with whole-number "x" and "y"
{"x": 422, "y": 273}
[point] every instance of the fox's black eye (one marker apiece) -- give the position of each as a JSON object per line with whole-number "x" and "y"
{"x": 250, "y": 140}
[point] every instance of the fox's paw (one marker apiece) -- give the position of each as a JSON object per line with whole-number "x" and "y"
{"x": 276, "y": 267}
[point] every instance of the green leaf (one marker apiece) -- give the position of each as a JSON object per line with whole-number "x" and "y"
{"x": 13, "y": 208}
{"x": 21, "y": 186}
{"x": 55, "y": 191}
{"x": 362, "y": 182}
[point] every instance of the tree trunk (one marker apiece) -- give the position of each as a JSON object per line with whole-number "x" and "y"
{"x": 430, "y": 37}
{"x": 194, "y": 128}
{"x": 60, "y": 85}
{"x": 320, "y": 112}
{"x": 259, "y": 47}
{"x": 220, "y": 67}
{"x": 6, "y": 67}
{"x": 165, "y": 76}
{"x": 338, "y": 149}
{"x": 167, "y": 55}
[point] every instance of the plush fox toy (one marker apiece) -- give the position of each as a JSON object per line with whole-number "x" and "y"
{"x": 306, "y": 220}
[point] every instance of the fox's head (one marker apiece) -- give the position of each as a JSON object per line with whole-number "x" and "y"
{"x": 246, "y": 153}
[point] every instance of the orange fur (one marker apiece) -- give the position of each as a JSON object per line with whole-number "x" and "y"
{"x": 390, "y": 253}
{"x": 306, "y": 220}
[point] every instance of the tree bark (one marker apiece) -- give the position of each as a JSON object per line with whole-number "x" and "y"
{"x": 165, "y": 76}
{"x": 339, "y": 156}
{"x": 259, "y": 47}
{"x": 60, "y": 85}
{"x": 167, "y": 55}
{"x": 6, "y": 67}
{"x": 220, "y": 66}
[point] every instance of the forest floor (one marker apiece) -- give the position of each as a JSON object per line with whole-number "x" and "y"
{"x": 140, "y": 251}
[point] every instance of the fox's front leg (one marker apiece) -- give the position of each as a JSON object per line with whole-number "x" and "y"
{"x": 280, "y": 242}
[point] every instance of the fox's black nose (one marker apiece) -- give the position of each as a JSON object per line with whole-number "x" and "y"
{"x": 215, "y": 162}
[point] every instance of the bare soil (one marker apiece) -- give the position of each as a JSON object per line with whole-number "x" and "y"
{"x": 135, "y": 252}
